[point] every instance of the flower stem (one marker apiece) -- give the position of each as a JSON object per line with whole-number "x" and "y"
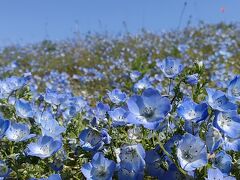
{"x": 170, "y": 156}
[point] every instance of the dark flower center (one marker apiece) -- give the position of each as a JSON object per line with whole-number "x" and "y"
{"x": 187, "y": 155}
{"x": 236, "y": 92}
{"x": 101, "y": 171}
{"x": 148, "y": 112}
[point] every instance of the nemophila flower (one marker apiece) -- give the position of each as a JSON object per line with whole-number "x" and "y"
{"x": 191, "y": 111}
{"x": 131, "y": 157}
{"x": 234, "y": 88}
{"x": 228, "y": 123}
{"x": 101, "y": 110}
{"x": 223, "y": 161}
{"x": 171, "y": 67}
{"x": 124, "y": 173}
{"x": 45, "y": 147}
{"x": 172, "y": 142}
{"x": 99, "y": 168}
{"x": 218, "y": 100}
{"x": 231, "y": 144}
{"x": 149, "y": 109}
{"x": 173, "y": 173}
{"x": 143, "y": 83}
{"x": 18, "y": 132}
{"x": 154, "y": 163}
{"x": 192, "y": 127}
{"x": 54, "y": 98}
{"x": 215, "y": 173}
{"x": 183, "y": 48}
{"x": 69, "y": 113}
{"x": 191, "y": 152}
{"x": 54, "y": 177}
{"x": 213, "y": 139}
{"x": 93, "y": 140}
{"x": 9, "y": 85}
{"x": 4, "y": 170}
{"x": 117, "y": 96}
{"x": 119, "y": 116}
{"x": 42, "y": 116}
{"x": 5, "y": 89}
{"x": 52, "y": 128}
{"x": 71, "y": 106}
{"x": 18, "y": 82}
{"x": 4, "y": 125}
{"x": 134, "y": 75}
{"x": 24, "y": 109}
{"x": 192, "y": 79}
{"x": 80, "y": 102}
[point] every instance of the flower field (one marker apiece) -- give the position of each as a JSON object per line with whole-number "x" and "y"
{"x": 101, "y": 107}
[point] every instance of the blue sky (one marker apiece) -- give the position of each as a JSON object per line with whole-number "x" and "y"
{"x": 23, "y": 21}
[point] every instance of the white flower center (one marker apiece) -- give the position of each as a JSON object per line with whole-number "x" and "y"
{"x": 236, "y": 91}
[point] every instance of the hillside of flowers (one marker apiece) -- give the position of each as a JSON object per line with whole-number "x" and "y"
{"x": 101, "y": 107}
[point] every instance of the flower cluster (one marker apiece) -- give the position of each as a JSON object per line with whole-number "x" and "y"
{"x": 161, "y": 118}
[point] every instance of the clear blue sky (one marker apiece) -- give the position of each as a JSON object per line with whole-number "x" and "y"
{"x": 23, "y": 21}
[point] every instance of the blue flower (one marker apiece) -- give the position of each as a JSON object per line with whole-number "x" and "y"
{"x": 231, "y": 144}
{"x": 4, "y": 170}
{"x": 153, "y": 163}
{"x": 143, "y": 83}
{"x": 54, "y": 177}
{"x": 171, "y": 67}
{"x": 149, "y": 109}
{"x": 5, "y": 89}
{"x": 45, "y": 147}
{"x": 117, "y": 96}
{"x": 191, "y": 111}
{"x": 183, "y": 48}
{"x": 228, "y": 123}
{"x": 223, "y": 161}
{"x": 173, "y": 173}
{"x": 134, "y": 75}
{"x": 215, "y": 173}
{"x": 54, "y": 98}
{"x": 16, "y": 83}
{"x": 173, "y": 141}
{"x": 99, "y": 168}
{"x": 18, "y": 132}
{"x": 219, "y": 101}
{"x": 9, "y": 85}
{"x": 69, "y": 113}
{"x": 24, "y": 109}
{"x": 192, "y": 79}
{"x": 213, "y": 139}
{"x": 234, "y": 88}
{"x": 191, "y": 127}
{"x": 4, "y": 125}
{"x": 119, "y": 116}
{"x": 52, "y": 128}
{"x": 101, "y": 110}
{"x": 42, "y": 116}
{"x": 132, "y": 157}
{"x": 191, "y": 152}
{"x": 93, "y": 140}
{"x": 124, "y": 173}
